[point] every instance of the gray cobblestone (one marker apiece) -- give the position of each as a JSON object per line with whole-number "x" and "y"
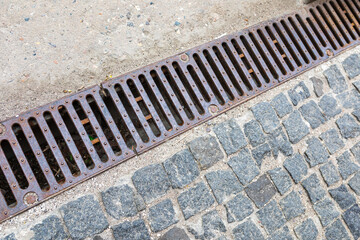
{"x": 281, "y": 105}
{"x": 313, "y": 188}
{"x": 135, "y": 230}
{"x": 206, "y": 151}
{"x": 151, "y": 182}
{"x": 9, "y": 237}
{"x": 291, "y": 205}
{"x": 230, "y": 136}
{"x": 244, "y": 167}
{"x": 224, "y": 184}
{"x": 348, "y": 126}
{"x": 329, "y": 106}
{"x": 318, "y": 86}
{"x": 162, "y": 216}
{"x": 213, "y": 225}
{"x": 119, "y": 201}
{"x": 50, "y": 228}
{"x": 356, "y": 114}
{"x": 238, "y": 208}
{"x": 335, "y": 79}
{"x": 315, "y": 153}
{"x": 299, "y": 93}
{"x": 260, "y": 152}
{"x": 271, "y": 217}
{"x": 84, "y": 217}
{"x": 352, "y": 65}
{"x": 327, "y": 211}
{"x": 296, "y": 166}
{"x": 181, "y": 169}
{"x": 307, "y": 230}
{"x": 357, "y": 85}
{"x": 195, "y": 200}
{"x": 266, "y": 115}
{"x": 282, "y": 234}
{"x": 279, "y": 142}
{"x": 354, "y": 183}
{"x": 254, "y": 133}
{"x": 247, "y": 231}
{"x": 336, "y": 231}
{"x": 295, "y": 127}
{"x": 281, "y": 180}
{"x": 343, "y": 197}
{"x": 332, "y": 140}
{"x": 175, "y": 234}
{"x": 261, "y": 191}
{"x": 349, "y": 99}
{"x": 346, "y": 166}
{"x": 352, "y": 220}
{"x": 356, "y": 151}
{"x": 312, "y": 114}
{"x": 330, "y": 174}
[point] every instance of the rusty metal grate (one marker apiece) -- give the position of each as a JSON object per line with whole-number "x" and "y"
{"x": 54, "y": 147}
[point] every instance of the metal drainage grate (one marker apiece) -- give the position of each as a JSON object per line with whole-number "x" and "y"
{"x": 54, "y": 147}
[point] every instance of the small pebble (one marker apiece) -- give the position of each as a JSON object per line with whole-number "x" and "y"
{"x": 26, "y": 19}
{"x": 177, "y": 23}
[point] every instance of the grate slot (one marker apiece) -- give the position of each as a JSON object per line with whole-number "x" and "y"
{"x": 252, "y": 60}
{"x": 223, "y": 79}
{"x": 246, "y": 62}
{"x": 230, "y": 71}
{"x": 192, "y": 91}
{"x": 204, "y": 71}
{"x": 330, "y": 25}
{"x": 14, "y": 164}
{"x": 260, "y": 47}
{"x": 351, "y": 19}
{"x": 295, "y": 42}
{"x": 337, "y": 23}
{"x": 281, "y": 47}
{"x": 273, "y": 52}
{"x": 288, "y": 44}
{"x": 106, "y": 131}
{"x": 131, "y": 113}
{"x": 343, "y": 19}
{"x": 160, "y": 88}
{"x": 236, "y": 63}
{"x": 354, "y": 14}
{"x": 356, "y": 4}
{"x": 6, "y": 191}
{"x": 157, "y": 108}
{"x": 51, "y": 139}
{"x": 30, "y": 156}
{"x": 324, "y": 29}
{"x": 144, "y": 109}
{"x": 175, "y": 87}
{"x": 120, "y": 123}
{"x": 203, "y": 88}
{"x": 89, "y": 132}
{"x": 317, "y": 31}
{"x": 304, "y": 41}
{"x": 315, "y": 41}
{"x": 46, "y": 151}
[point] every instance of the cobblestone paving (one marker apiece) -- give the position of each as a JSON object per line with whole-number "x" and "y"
{"x": 291, "y": 172}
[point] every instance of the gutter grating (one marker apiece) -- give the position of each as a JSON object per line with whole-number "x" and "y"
{"x": 50, "y": 149}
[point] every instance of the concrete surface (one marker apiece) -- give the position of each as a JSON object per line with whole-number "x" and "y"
{"x": 51, "y": 48}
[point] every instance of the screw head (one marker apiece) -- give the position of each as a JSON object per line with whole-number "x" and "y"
{"x": 30, "y": 198}
{"x": 213, "y": 109}
{"x": 184, "y": 57}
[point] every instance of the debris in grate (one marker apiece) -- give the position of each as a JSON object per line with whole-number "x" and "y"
{"x": 54, "y": 147}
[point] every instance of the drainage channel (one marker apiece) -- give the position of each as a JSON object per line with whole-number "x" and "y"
{"x": 52, "y": 148}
